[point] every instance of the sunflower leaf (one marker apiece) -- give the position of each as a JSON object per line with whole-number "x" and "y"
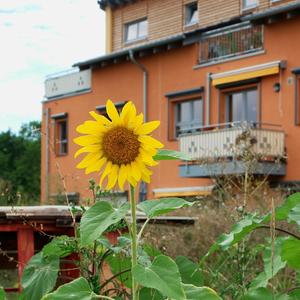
{"x": 199, "y": 293}
{"x": 39, "y": 276}
{"x": 98, "y": 218}
{"x": 154, "y": 208}
{"x": 76, "y": 289}
{"x": 163, "y": 275}
{"x": 290, "y": 252}
{"x": 164, "y": 154}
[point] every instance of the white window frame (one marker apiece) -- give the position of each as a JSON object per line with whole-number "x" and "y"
{"x": 246, "y": 7}
{"x": 138, "y": 36}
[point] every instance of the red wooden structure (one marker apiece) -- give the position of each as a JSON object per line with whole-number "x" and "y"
{"x": 23, "y": 232}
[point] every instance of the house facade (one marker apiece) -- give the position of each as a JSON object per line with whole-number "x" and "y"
{"x": 210, "y": 71}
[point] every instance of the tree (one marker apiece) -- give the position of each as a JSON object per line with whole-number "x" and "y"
{"x": 20, "y": 165}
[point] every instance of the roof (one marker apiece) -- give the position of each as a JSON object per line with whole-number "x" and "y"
{"x": 153, "y": 47}
{"x": 113, "y": 3}
{"x": 274, "y": 12}
{"x": 61, "y": 214}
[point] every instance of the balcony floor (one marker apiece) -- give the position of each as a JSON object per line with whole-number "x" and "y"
{"x": 231, "y": 168}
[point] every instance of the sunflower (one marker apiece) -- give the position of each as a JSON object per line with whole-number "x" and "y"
{"x": 120, "y": 148}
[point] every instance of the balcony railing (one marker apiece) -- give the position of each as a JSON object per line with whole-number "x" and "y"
{"x": 231, "y": 140}
{"x": 67, "y": 83}
{"x": 234, "y": 41}
{"x": 232, "y": 149}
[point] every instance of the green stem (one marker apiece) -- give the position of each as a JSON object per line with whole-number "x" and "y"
{"x": 133, "y": 241}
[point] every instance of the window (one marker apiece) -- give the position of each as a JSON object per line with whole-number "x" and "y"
{"x": 191, "y": 14}
{"x": 241, "y": 106}
{"x": 248, "y": 4}
{"x": 136, "y": 30}
{"x": 187, "y": 116}
{"x": 61, "y": 127}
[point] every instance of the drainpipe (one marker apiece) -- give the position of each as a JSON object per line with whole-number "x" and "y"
{"x": 207, "y": 110}
{"x": 47, "y": 112}
{"x": 143, "y": 185}
{"x": 145, "y": 82}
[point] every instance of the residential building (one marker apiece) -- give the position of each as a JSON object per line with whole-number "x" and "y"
{"x": 207, "y": 70}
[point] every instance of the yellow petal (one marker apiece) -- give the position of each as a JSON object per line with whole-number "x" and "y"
{"x": 146, "y": 178}
{"x": 112, "y": 177}
{"x": 89, "y": 159}
{"x": 136, "y": 122}
{"x": 91, "y": 127}
{"x": 147, "y": 159}
{"x": 150, "y": 150}
{"x": 122, "y": 177}
{"x": 112, "y": 112}
{"x": 101, "y": 119}
{"x": 90, "y": 148}
{"x": 96, "y": 167}
{"x": 143, "y": 167}
{"x": 106, "y": 171}
{"x": 135, "y": 171}
{"x": 130, "y": 178}
{"x": 86, "y": 140}
{"x": 125, "y": 114}
{"x": 147, "y": 128}
{"x": 149, "y": 140}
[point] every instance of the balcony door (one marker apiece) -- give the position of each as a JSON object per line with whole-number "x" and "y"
{"x": 242, "y": 106}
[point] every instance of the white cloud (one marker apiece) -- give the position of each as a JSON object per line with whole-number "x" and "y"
{"x": 40, "y": 37}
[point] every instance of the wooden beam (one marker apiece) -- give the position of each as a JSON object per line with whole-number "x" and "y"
{"x": 25, "y": 250}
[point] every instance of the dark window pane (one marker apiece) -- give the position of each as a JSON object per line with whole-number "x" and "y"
{"x": 8, "y": 260}
{"x": 238, "y": 112}
{"x": 191, "y": 14}
{"x": 251, "y": 107}
{"x": 62, "y": 136}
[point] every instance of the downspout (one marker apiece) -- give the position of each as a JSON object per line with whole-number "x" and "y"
{"x": 143, "y": 185}
{"x": 145, "y": 83}
{"x": 207, "y": 110}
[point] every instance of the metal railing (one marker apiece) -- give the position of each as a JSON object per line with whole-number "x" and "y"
{"x": 225, "y": 140}
{"x": 235, "y": 40}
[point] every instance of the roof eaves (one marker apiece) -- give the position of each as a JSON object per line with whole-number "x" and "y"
{"x": 124, "y": 54}
{"x": 113, "y": 3}
{"x": 185, "y": 39}
{"x": 272, "y": 12}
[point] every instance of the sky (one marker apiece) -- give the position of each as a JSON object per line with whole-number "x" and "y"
{"x": 39, "y": 38}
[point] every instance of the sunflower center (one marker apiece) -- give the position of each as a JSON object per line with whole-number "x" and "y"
{"x": 121, "y": 146}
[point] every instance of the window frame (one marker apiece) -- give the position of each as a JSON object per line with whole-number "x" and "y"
{"x": 224, "y": 91}
{"x": 138, "y": 37}
{"x": 172, "y": 102}
{"x": 188, "y": 15}
{"x": 297, "y": 99}
{"x": 249, "y": 7}
{"x": 58, "y": 141}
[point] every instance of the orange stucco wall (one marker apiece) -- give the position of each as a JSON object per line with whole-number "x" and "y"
{"x": 173, "y": 71}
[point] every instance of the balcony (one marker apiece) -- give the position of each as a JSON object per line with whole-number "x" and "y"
{"x": 230, "y": 42}
{"x": 67, "y": 83}
{"x": 234, "y": 148}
